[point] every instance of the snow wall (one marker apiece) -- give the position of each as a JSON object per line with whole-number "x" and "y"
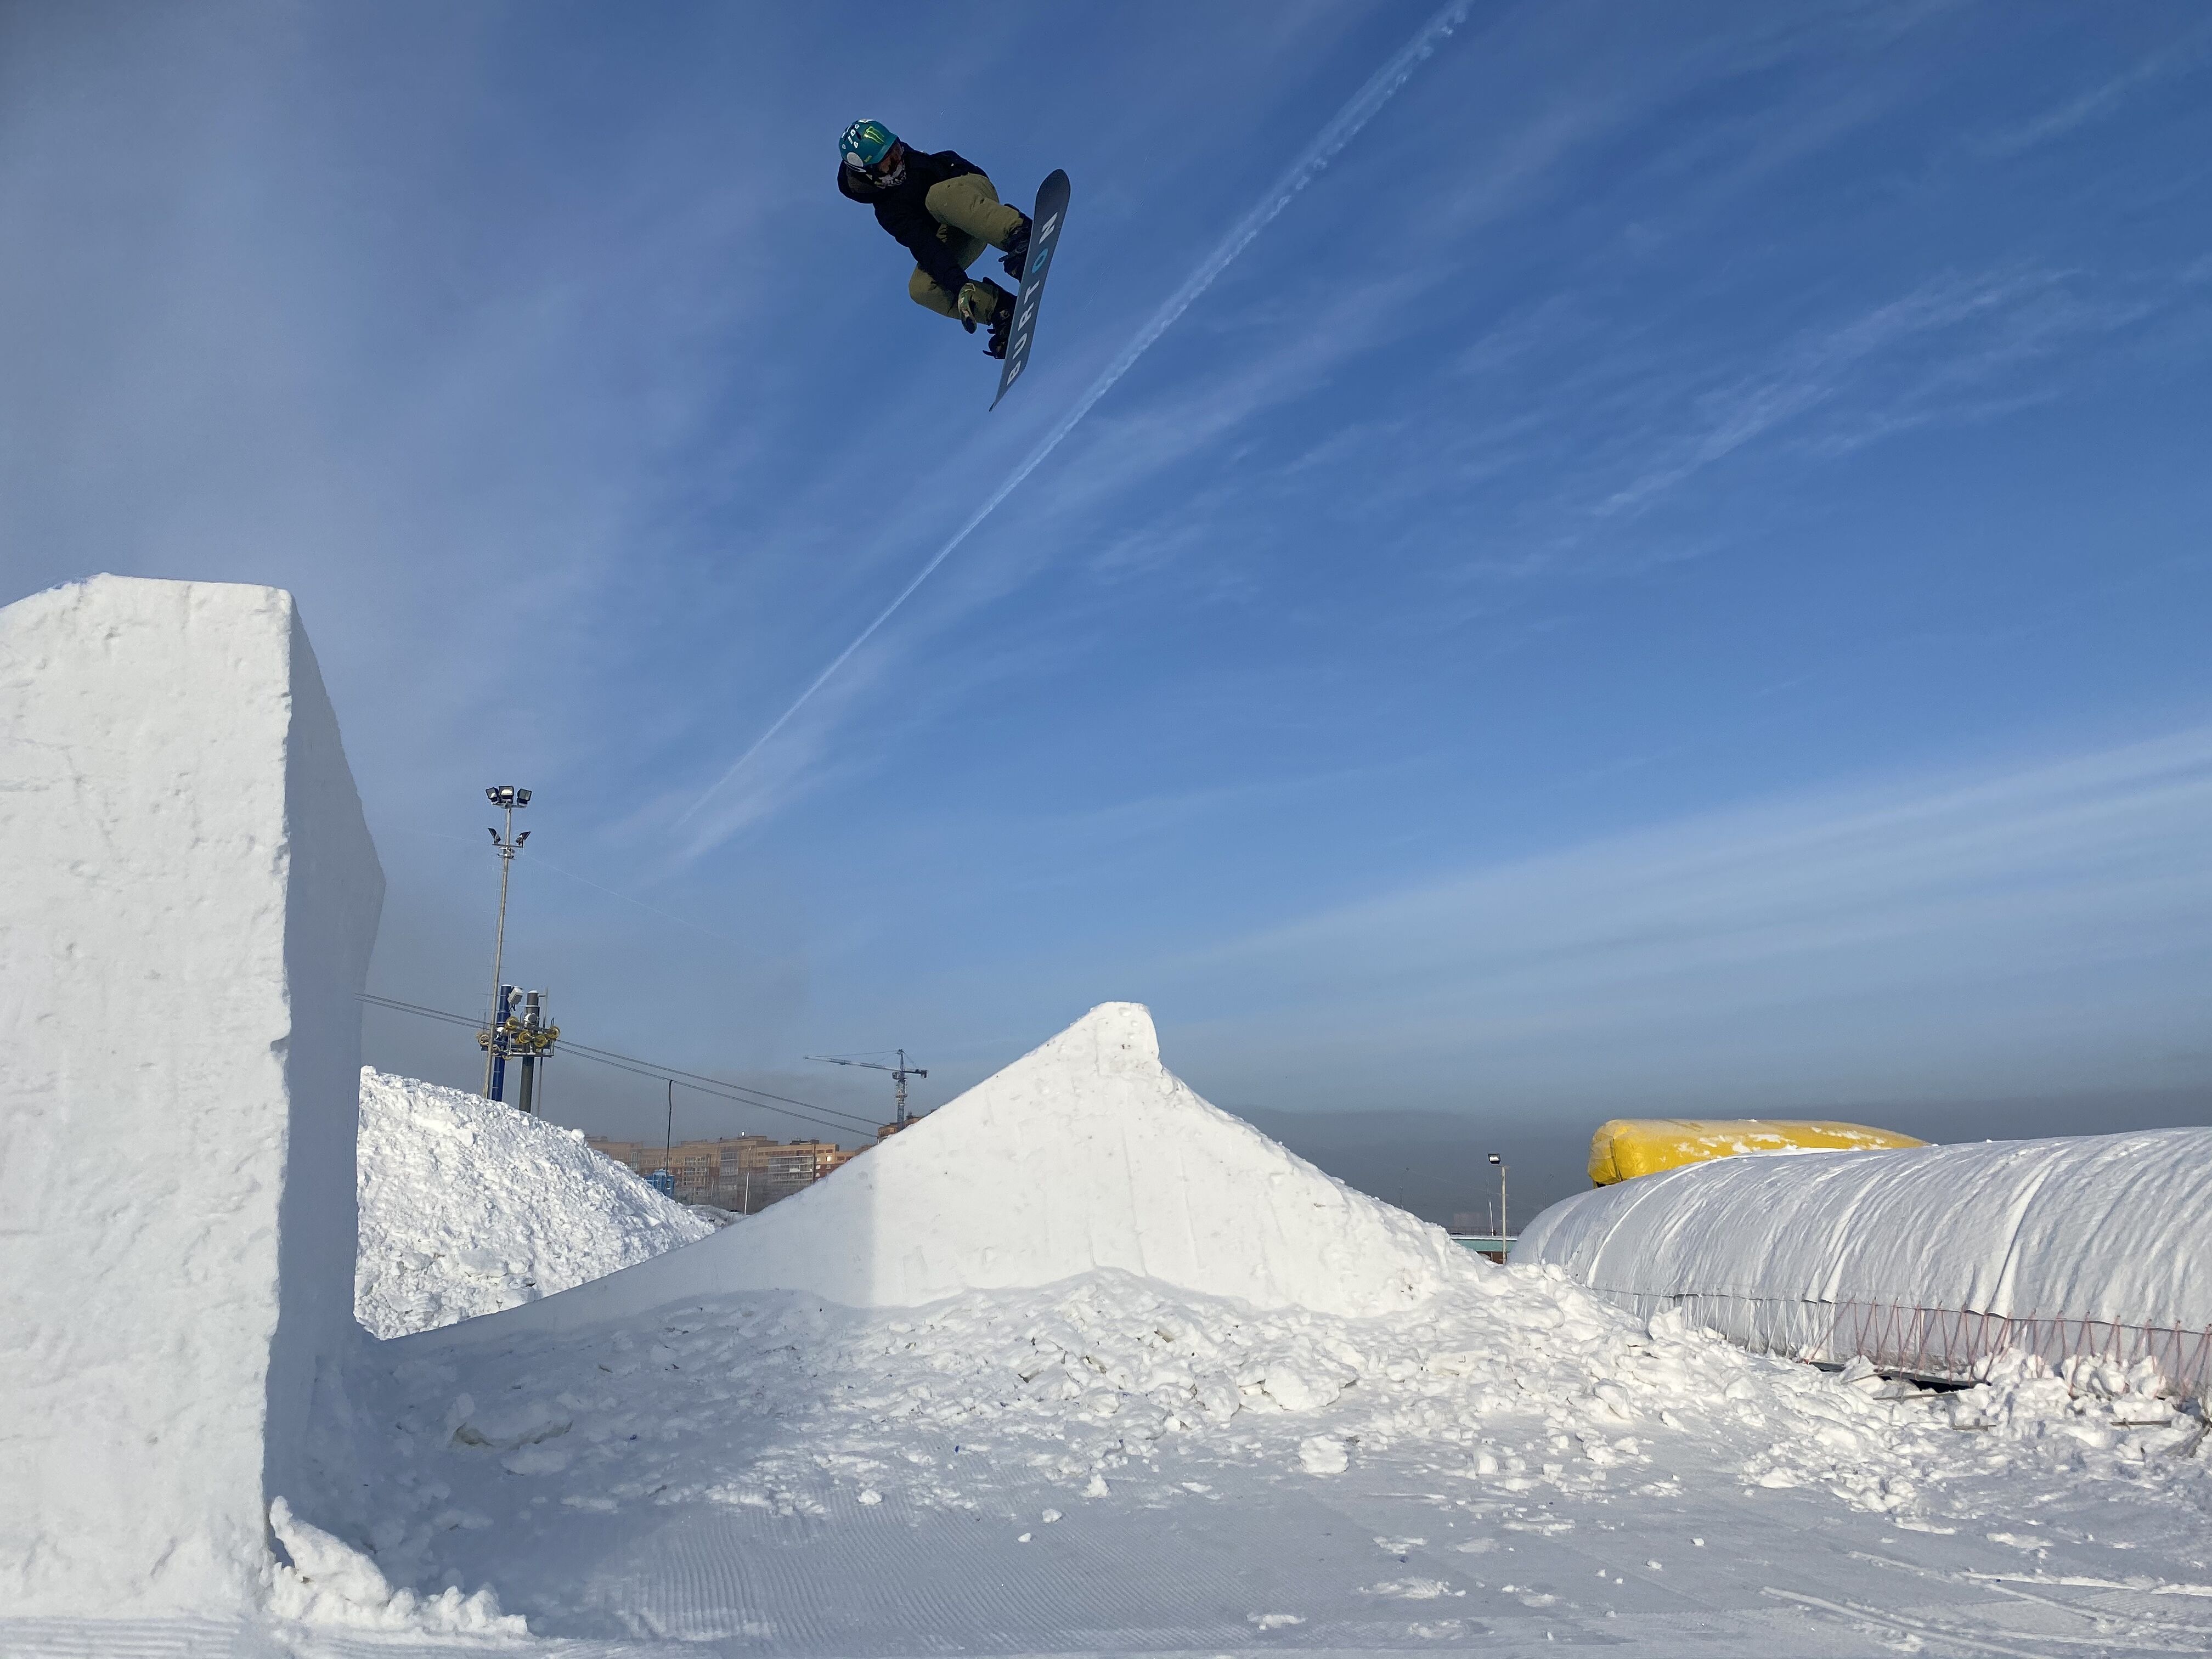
{"x": 189, "y": 900}
{"x": 1086, "y": 1153}
{"x": 1928, "y": 1260}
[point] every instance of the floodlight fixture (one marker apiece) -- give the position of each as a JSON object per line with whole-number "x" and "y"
{"x": 1497, "y": 1158}
{"x": 507, "y": 795}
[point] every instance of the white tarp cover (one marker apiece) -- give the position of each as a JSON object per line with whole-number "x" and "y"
{"x": 1811, "y": 1253}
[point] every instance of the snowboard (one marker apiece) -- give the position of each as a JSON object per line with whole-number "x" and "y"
{"x": 1044, "y": 236}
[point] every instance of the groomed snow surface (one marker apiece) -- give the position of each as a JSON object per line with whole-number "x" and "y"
{"x": 1108, "y": 1465}
{"x": 467, "y": 1207}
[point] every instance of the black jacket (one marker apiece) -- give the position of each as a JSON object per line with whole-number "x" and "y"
{"x": 901, "y": 210}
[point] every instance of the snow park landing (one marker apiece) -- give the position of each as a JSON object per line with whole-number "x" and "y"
{"x": 339, "y": 1362}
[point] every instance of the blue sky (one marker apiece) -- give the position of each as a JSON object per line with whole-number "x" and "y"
{"x": 1671, "y": 574}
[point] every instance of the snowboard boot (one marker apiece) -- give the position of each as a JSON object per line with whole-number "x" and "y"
{"x": 1017, "y": 257}
{"x": 1001, "y": 321}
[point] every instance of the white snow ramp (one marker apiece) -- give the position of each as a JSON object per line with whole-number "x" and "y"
{"x": 1084, "y": 1153}
{"x": 190, "y": 900}
{"x": 1927, "y": 1259}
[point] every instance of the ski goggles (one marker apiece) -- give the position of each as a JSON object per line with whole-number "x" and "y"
{"x": 890, "y": 170}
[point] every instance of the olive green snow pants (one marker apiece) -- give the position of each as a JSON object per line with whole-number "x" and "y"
{"x": 970, "y": 218}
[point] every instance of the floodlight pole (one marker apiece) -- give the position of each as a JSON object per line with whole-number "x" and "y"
{"x": 1504, "y": 1227}
{"x": 508, "y": 796}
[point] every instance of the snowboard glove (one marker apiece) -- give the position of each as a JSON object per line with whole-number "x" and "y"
{"x": 1017, "y": 257}
{"x": 975, "y": 304}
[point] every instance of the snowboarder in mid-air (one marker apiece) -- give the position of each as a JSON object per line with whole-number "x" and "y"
{"x": 944, "y": 209}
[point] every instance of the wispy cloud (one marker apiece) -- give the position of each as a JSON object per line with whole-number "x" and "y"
{"x": 1345, "y": 126}
{"x": 2098, "y": 102}
{"x": 1624, "y": 433}
{"x": 1817, "y": 369}
{"x": 1692, "y": 417}
{"x": 2050, "y": 893}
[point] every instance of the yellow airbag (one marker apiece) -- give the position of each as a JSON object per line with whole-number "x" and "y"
{"x": 1630, "y": 1146}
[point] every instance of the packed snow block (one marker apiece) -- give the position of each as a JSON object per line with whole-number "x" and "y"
{"x": 1929, "y": 1260}
{"x": 189, "y": 900}
{"x": 1086, "y": 1153}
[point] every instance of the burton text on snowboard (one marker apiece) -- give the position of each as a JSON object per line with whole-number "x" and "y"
{"x": 1044, "y": 236}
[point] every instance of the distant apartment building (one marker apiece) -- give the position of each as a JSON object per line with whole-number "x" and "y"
{"x": 744, "y": 1173}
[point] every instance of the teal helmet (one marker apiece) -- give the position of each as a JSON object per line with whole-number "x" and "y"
{"x": 866, "y": 143}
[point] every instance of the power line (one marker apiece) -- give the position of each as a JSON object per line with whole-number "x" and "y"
{"x": 722, "y": 1091}
{"x": 738, "y": 1093}
{"x": 655, "y": 1069}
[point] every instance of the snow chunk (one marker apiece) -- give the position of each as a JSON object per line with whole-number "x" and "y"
{"x": 330, "y": 1582}
{"x": 1323, "y": 1454}
{"x": 468, "y": 1207}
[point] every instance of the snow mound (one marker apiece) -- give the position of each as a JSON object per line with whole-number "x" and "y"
{"x": 468, "y": 1207}
{"x": 1087, "y": 1153}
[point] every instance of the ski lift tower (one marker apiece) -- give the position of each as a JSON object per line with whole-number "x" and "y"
{"x": 900, "y": 1073}
{"x": 495, "y": 1037}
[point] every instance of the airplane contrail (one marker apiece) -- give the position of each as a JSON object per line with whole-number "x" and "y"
{"x": 1365, "y": 104}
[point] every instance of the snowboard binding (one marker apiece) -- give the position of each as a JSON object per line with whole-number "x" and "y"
{"x": 1017, "y": 255}
{"x": 1002, "y": 325}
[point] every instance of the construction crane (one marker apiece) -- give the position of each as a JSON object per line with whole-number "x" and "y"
{"x": 900, "y": 1073}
